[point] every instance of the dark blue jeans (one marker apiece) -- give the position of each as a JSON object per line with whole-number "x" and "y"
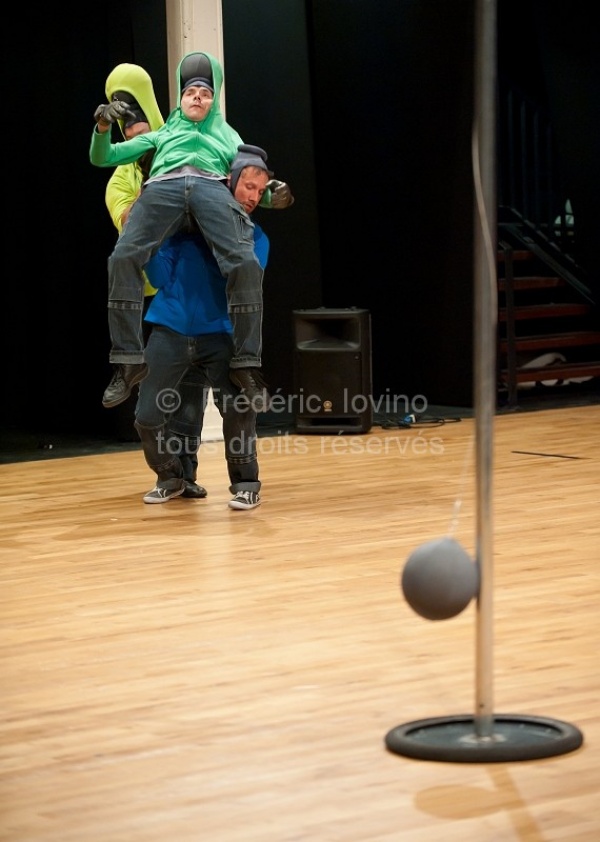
{"x": 159, "y": 212}
{"x": 171, "y": 403}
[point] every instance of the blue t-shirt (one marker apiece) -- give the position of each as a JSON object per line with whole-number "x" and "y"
{"x": 190, "y": 297}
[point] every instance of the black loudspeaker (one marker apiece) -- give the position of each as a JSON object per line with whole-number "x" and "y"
{"x": 332, "y": 371}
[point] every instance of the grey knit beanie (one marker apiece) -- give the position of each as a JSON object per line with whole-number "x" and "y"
{"x": 247, "y": 156}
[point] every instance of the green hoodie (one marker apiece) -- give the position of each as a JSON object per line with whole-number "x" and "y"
{"x": 209, "y": 145}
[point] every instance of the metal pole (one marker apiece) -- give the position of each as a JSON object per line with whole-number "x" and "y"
{"x": 486, "y": 305}
{"x": 484, "y": 737}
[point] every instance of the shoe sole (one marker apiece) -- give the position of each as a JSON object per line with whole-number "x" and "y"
{"x": 241, "y": 506}
{"x": 163, "y": 499}
{"x": 111, "y": 404}
{"x": 137, "y": 379}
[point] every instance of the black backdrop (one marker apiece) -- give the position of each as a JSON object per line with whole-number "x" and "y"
{"x": 389, "y": 93}
{"x": 55, "y": 336}
{"x": 364, "y": 106}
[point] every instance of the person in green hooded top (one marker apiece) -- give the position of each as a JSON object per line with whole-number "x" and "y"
{"x": 192, "y": 154}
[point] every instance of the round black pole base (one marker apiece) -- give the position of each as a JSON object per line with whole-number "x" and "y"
{"x": 454, "y": 739}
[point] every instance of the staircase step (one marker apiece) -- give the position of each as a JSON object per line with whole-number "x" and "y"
{"x": 556, "y": 371}
{"x": 518, "y": 256}
{"x": 532, "y": 282}
{"x": 547, "y": 311}
{"x": 551, "y": 341}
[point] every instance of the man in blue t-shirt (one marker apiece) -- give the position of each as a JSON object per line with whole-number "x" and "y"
{"x": 188, "y": 353}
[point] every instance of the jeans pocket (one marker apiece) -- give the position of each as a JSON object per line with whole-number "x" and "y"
{"x": 244, "y": 227}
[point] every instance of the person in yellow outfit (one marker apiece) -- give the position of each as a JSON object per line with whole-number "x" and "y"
{"x": 133, "y": 85}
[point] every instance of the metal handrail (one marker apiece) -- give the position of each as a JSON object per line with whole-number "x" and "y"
{"x": 530, "y": 178}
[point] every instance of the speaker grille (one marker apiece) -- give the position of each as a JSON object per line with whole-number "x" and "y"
{"x": 332, "y": 371}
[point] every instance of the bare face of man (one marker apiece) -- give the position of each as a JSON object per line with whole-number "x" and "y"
{"x": 196, "y": 102}
{"x": 250, "y": 188}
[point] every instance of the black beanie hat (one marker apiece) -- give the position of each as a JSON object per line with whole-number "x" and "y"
{"x": 195, "y": 66}
{"x": 137, "y": 115}
{"x": 247, "y": 156}
{"x": 199, "y": 82}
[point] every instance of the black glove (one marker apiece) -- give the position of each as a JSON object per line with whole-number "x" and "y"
{"x": 112, "y": 112}
{"x": 281, "y": 195}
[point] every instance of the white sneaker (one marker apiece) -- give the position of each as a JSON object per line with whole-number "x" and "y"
{"x": 162, "y": 493}
{"x": 245, "y": 500}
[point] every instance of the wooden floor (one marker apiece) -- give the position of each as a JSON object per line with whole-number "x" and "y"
{"x": 185, "y": 672}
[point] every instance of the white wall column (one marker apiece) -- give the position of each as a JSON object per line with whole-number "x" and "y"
{"x": 193, "y": 25}
{"x": 196, "y": 25}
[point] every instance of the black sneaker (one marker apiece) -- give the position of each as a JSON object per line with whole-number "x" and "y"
{"x": 194, "y": 491}
{"x": 253, "y": 387}
{"x": 165, "y": 491}
{"x": 245, "y": 500}
{"x": 125, "y": 376}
